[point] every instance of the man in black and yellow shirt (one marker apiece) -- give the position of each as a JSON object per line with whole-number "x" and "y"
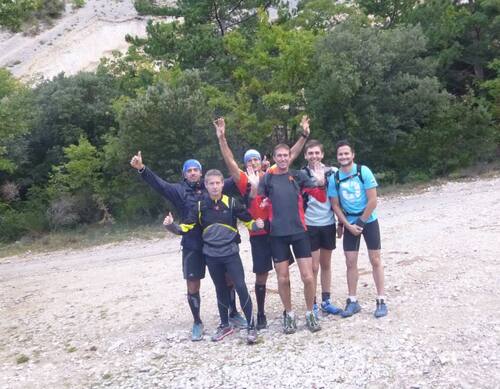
{"x": 217, "y": 215}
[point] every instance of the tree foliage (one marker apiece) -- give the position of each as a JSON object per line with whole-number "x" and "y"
{"x": 414, "y": 85}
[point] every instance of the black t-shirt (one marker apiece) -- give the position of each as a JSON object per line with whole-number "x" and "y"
{"x": 284, "y": 192}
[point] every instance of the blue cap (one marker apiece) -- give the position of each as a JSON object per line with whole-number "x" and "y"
{"x": 189, "y": 164}
{"x": 249, "y": 154}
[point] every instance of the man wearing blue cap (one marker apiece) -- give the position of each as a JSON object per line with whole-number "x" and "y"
{"x": 184, "y": 196}
{"x": 247, "y": 184}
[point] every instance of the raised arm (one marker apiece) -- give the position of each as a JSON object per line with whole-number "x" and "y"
{"x": 227, "y": 154}
{"x": 299, "y": 145}
{"x": 164, "y": 188}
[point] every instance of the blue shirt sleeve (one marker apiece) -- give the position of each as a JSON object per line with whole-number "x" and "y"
{"x": 368, "y": 178}
{"x": 332, "y": 190}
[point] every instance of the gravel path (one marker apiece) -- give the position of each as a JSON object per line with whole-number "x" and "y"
{"x": 115, "y": 315}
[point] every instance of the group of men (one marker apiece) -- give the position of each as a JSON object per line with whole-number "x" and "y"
{"x": 285, "y": 210}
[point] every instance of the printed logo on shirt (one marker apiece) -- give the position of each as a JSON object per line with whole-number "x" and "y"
{"x": 351, "y": 190}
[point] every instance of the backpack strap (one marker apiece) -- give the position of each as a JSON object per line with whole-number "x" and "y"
{"x": 338, "y": 181}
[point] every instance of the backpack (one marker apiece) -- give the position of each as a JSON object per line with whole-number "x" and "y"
{"x": 338, "y": 181}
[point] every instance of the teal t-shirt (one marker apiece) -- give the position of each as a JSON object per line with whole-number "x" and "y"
{"x": 353, "y": 192}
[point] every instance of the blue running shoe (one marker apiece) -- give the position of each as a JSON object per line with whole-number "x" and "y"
{"x": 351, "y": 308}
{"x": 328, "y": 307}
{"x": 197, "y": 332}
{"x": 238, "y": 321}
{"x": 316, "y": 311}
{"x": 381, "y": 309}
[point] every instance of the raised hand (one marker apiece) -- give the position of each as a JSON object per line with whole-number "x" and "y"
{"x": 136, "y": 161}
{"x": 169, "y": 219}
{"x": 264, "y": 164}
{"x": 220, "y": 127}
{"x": 318, "y": 171}
{"x": 253, "y": 177}
{"x": 304, "y": 123}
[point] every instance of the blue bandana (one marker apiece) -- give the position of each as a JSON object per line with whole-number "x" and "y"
{"x": 189, "y": 164}
{"x": 251, "y": 154}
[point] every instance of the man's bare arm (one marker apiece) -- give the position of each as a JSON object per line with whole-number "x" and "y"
{"x": 371, "y": 194}
{"x": 299, "y": 145}
{"x": 226, "y": 152}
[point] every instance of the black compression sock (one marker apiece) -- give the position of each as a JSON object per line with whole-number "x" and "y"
{"x": 325, "y": 296}
{"x": 260, "y": 295}
{"x": 194, "y": 302}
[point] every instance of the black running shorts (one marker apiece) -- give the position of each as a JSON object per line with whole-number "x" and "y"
{"x": 193, "y": 264}
{"x": 262, "y": 256}
{"x": 371, "y": 234}
{"x": 280, "y": 246}
{"x": 322, "y": 237}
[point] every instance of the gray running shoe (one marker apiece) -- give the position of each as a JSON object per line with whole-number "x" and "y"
{"x": 289, "y": 323}
{"x": 252, "y": 335}
{"x": 312, "y": 322}
{"x": 222, "y": 332}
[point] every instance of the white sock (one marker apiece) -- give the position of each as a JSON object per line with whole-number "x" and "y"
{"x": 381, "y": 298}
{"x": 353, "y": 299}
{"x": 291, "y": 313}
{"x": 308, "y": 313}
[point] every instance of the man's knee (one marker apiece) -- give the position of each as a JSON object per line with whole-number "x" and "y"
{"x": 307, "y": 279}
{"x": 193, "y": 286}
{"x": 351, "y": 259}
{"x": 261, "y": 278}
{"x": 375, "y": 259}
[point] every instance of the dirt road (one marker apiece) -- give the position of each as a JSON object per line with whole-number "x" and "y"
{"x": 116, "y": 316}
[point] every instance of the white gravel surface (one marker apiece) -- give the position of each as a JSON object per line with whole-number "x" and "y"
{"x": 116, "y": 315}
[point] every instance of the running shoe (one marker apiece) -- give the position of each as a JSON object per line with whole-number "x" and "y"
{"x": 351, "y": 308}
{"x": 261, "y": 321}
{"x": 237, "y": 321}
{"x": 252, "y": 335}
{"x": 197, "y": 332}
{"x": 381, "y": 309}
{"x": 222, "y": 332}
{"x": 316, "y": 311}
{"x": 328, "y": 307}
{"x": 312, "y": 323}
{"x": 289, "y": 323}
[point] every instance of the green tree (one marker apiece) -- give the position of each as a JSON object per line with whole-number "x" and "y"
{"x": 376, "y": 88}
{"x": 75, "y": 185}
{"x": 272, "y": 68}
{"x": 16, "y": 109}
{"x": 66, "y": 109}
{"x": 463, "y": 36}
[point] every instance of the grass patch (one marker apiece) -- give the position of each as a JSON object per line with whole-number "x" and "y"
{"x": 85, "y": 236}
{"x": 488, "y": 170}
{"x": 22, "y": 359}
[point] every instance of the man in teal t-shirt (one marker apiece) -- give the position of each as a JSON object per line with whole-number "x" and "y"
{"x": 353, "y": 193}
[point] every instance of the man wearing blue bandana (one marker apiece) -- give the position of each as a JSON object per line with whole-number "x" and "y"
{"x": 184, "y": 196}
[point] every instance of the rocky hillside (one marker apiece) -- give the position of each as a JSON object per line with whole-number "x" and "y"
{"x": 75, "y": 42}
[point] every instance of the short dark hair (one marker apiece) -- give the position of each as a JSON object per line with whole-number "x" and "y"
{"x": 214, "y": 173}
{"x": 313, "y": 143}
{"x": 281, "y": 146}
{"x": 343, "y": 142}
